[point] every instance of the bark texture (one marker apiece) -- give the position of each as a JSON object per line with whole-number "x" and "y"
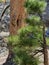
{"x": 17, "y": 15}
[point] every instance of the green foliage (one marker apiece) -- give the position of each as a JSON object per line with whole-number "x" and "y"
{"x": 33, "y": 20}
{"x": 23, "y": 44}
{"x": 27, "y": 36}
{"x": 35, "y": 6}
{"x": 22, "y": 49}
{"x": 23, "y": 58}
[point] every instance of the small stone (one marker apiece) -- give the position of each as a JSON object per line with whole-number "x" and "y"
{"x": 5, "y": 40}
{"x": 4, "y": 34}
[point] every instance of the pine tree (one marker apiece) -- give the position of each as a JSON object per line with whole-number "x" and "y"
{"x": 30, "y": 36}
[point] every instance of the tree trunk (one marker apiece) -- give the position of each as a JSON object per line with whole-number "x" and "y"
{"x": 45, "y": 47}
{"x": 17, "y": 14}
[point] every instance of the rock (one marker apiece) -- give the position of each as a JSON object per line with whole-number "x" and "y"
{"x": 4, "y": 34}
{"x": 5, "y": 40}
{"x": 4, "y": 44}
{"x": 4, "y": 52}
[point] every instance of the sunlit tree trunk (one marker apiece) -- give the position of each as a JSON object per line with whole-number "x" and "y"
{"x": 17, "y": 15}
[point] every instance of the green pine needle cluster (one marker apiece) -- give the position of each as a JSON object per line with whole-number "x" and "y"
{"x": 35, "y": 6}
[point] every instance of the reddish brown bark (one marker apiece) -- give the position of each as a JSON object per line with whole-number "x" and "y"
{"x": 17, "y": 15}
